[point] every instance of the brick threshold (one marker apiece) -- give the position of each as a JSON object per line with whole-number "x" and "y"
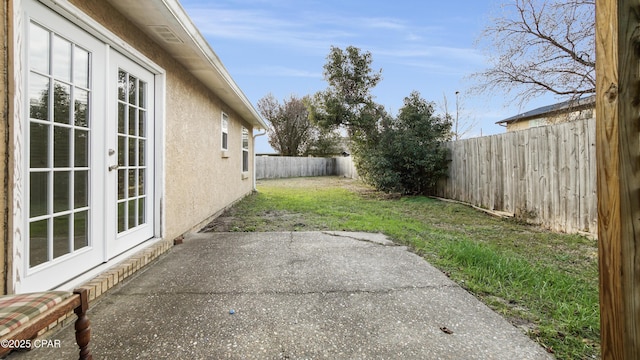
{"x": 111, "y": 277}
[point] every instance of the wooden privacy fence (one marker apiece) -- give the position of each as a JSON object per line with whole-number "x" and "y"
{"x": 273, "y": 167}
{"x": 545, "y": 175}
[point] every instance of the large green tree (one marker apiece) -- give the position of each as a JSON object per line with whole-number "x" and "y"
{"x": 347, "y": 102}
{"x": 403, "y": 154}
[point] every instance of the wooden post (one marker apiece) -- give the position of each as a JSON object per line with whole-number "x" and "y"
{"x": 618, "y": 161}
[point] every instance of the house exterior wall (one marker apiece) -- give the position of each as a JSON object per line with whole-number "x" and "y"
{"x": 198, "y": 181}
{"x": 582, "y": 114}
{"x": 519, "y": 125}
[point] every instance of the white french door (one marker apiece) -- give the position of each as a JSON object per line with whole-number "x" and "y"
{"x": 88, "y": 153}
{"x": 64, "y": 123}
{"x": 130, "y": 139}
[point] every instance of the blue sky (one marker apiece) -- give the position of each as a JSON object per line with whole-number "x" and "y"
{"x": 280, "y": 46}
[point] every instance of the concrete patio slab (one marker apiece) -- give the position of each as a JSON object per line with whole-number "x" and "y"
{"x": 301, "y": 295}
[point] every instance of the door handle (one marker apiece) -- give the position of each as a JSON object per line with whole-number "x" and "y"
{"x": 113, "y": 167}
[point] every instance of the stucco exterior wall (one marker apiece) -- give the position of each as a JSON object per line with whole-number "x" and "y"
{"x": 198, "y": 181}
{"x": 582, "y": 114}
{"x": 519, "y": 125}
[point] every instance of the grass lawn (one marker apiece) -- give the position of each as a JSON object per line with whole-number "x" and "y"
{"x": 544, "y": 283}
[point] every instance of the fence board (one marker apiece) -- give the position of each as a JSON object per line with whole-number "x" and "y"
{"x": 545, "y": 174}
{"x": 274, "y": 167}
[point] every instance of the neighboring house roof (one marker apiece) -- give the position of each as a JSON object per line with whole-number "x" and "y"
{"x": 565, "y": 106}
{"x": 168, "y": 24}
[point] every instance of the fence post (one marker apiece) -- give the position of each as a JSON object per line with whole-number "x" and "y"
{"x": 617, "y": 143}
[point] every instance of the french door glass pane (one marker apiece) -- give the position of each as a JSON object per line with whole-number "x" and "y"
{"x": 132, "y": 125}
{"x": 142, "y": 115}
{"x": 39, "y": 191}
{"x": 132, "y": 121}
{"x": 141, "y": 150}
{"x": 122, "y": 217}
{"x": 132, "y": 89}
{"x": 61, "y": 103}
{"x": 141, "y": 210}
{"x": 61, "y": 195}
{"x": 59, "y": 140}
{"x": 81, "y": 187}
{"x": 122, "y": 84}
{"x": 132, "y": 213}
{"x": 132, "y": 152}
{"x": 61, "y": 149}
{"x": 61, "y": 235}
{"x": 141, "y": 182}
{"x": 39, "y": 97}
{"x": 39, "y": 146}
{"x": 81, "y": 230}
{"x": 122, "y": 150}
{"x": 121, "y": 184}
{"x": 81, "y": 67}
{"x": 81, "y": 107}
{"x": 38, "y": 243}
{"x": 81, "y": 148}
{"x": 121, "y": 118}
{"x": 132, "y": 183}
{"x": 39, "y": 40}
{"x": 61, "y": 58}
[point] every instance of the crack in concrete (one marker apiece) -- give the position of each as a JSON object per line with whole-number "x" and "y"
{"x": 338, "y": 234}
{"x": 303, "y": 293}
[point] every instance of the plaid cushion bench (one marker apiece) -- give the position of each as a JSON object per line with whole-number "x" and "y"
{"x": 22, "y": 316}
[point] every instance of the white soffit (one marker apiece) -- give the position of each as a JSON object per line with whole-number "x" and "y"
{"x": 166, "y": 22}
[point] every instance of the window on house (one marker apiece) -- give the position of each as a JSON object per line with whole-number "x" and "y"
{"x": 225, "y": 131}
{"x": 245, "y": 149}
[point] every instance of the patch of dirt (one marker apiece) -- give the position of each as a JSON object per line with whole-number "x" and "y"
{"x": 271, "y": 220}
{"x": 523, "y": 324}
{"x": 276, "y": 214}
{"x": 513, "y": 312}
{"x": 308, "y": 182}
{"x": 370, "y": 193}
{"x": 220, "y": 224}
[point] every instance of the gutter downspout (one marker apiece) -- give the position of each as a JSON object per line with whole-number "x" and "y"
{"x": 254, "y": 158}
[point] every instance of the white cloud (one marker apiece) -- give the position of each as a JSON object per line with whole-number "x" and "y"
{"x": 261, "y": 26}
{"x": 302, "y": 30}
{"x": 283, "y": 71}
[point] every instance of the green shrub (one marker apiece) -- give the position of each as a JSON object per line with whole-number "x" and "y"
{"x": 408, "y": 155}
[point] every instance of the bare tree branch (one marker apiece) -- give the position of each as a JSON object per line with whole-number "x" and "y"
{"x": 290, "y": 129}
{"x": 539, "y": 47}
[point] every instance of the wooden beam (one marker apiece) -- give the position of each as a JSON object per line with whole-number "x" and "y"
{"x": 618, "y": 162}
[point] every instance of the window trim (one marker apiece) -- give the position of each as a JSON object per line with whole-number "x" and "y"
{"x": 245, "y": 150}
{"x": 224, "y": 130}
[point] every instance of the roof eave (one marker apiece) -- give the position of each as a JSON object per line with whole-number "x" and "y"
{"x": 554, "y": 109}
{"x": 168, "y": 24}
